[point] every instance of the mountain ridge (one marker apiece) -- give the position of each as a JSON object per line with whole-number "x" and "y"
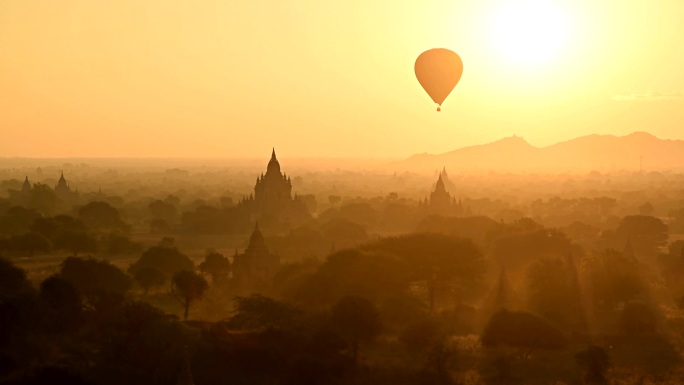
{"x": 595, "y": 152}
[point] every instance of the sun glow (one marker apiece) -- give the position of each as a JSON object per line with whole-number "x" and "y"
{"x": 531, "y": 32}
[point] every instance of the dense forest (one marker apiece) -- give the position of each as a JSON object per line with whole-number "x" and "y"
{"x": 148, "y": 275}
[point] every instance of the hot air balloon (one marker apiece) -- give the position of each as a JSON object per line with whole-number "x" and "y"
{"x": 438, "y": 70}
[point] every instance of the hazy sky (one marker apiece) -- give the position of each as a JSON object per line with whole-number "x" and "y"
{"x": 329, "y": 78}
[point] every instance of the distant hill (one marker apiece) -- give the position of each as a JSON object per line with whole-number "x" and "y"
{"x": 583, "y": 154}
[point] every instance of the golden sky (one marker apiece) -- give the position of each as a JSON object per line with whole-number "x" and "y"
{"x": 232, "y": 78}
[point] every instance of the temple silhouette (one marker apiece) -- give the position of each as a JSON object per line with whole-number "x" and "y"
{"x": 272, "y": 203}
{"x": 441, "y": 201}
{"x": 256, "y": 265}
{"x": 62, "y": 191}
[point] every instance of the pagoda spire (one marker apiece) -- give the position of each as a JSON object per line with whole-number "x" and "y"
{"x": 273, "y": 165}
{"x": 26, "y": 188}
{"x": 440, "y": 184}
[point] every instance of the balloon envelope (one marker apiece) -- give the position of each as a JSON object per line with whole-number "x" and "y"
{"x": 438, "y": 70}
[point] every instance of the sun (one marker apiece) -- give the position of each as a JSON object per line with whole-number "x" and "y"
{"x": 529, "y": 32}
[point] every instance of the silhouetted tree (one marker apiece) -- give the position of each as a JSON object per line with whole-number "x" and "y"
{"x": 188, "y": 287}
{"x": 121, "y": 244}
{"x": 51, "y": 227}
{"x": 523, "y": 245}
{"x": 101, "y": 215}
{"x": 373, "y": 274}
{"x": 163, "y": 210}
{"x": 646, "y": 234}
{"x": 138, "y": 344}
{"x": 361, "y": 213}
{"x": 17, "y": 220}
{"x": 344, "y": 233}
{"x": 646, "y": 209}
{"x": 165, "y": 259}
{"x": 30, "y": 243}
{"x": 259, "y": 312}
{"x": 521, "y": 330}
{"x": 551, "y": 292}
{"x": 595, "y": 362}
{"x": 501, "y": 296}
{"x": 613, "y": 279}
{"x": 334, "y": 199}
{"x": 442, "y": 263}
{"x": 159, "y": 226}
{"x": 207, "y": 220}
{"x": 64, "y": 304}
{"x": 216, "y": 265}
{"x": 91, "y": 276}
{"x": 638, "y": 318}
{"x": 357, "y": 320}
{"x": 13, "y": 281}
{"x": 149, "y": 277}
{"x": 43, "y": 199}
{"x": 421, "y": 336}
{"x": 19, "y": 317}
{"x": 75, "y": 242}
{"x": 480, "y": 229}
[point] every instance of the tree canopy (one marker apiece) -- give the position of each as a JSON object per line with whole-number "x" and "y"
{"x": 168, "y": 260}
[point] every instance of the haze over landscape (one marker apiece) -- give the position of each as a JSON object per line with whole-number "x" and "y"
{"x": 226, "y": 79}
{"x": 261, "y": 192}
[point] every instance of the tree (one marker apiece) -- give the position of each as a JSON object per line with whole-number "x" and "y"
{"x": 369, "y": 273}
{"x": 259, "y": 312}
{"x": 159, "y": 226}
{"x": 163, "y": 210}
{"x": 75, "y": 242}
{"x": 646, "y": 234}
{"x": 101, "y": 215}
{"x": 595, "y": 362}
{"x": 357, "y": 320}
{"x": 552, "y": 292}
{"x": 188, "y": 287}
{"x": 527, "y": 243}
{"x": 614, "y": 279}
{"x": 216, "y": 265}
{"x": 30, "y": 243}
{"x": 43, "y": 198}
{"x": 638, "y": 319}
{"x": 344, "y": 233}
{"x": 93, "y": 277}
{"x": 17, "y": 220}
{"x": 165, "y": 259}
{"x": 521, "y": 330}
{"x": 13, "y": 281}
{"x": 149, "y": 277}
{"x": 442, "y": 263}
{"x": 50, "y": 227}
{"x": 64, "y": 304}
{"x": 421, "y": 336}
{"x": 138, "y": 344}
{"x": 646, "y": 209}
{"x": 121, "y": 244}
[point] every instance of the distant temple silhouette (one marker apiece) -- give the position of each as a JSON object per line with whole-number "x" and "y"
{"x": 26, "y": 187}
{"x": 448, "y": 184}
{"x": 62, "y": 189}
{"x": 440, "y": 201}
{"x": 256, "y": 264}
{"x": 272, "y": 203}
